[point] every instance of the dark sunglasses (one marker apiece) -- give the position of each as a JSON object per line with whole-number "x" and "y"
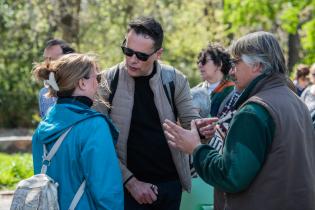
{"x": 140, "y": 55}
{"x": 203, "y": 60}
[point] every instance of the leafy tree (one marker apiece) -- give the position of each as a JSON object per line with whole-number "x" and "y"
{"x": 99, "y": 27}
{"x": 291, "y": 21}
{"x": 20, "y": 46}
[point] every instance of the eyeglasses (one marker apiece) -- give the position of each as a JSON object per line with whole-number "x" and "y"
{"x": 140, "y": 55}
{"x": 97, "y": 76}
{"x": 313, "y": 74}
{"x": 235, "y": 61}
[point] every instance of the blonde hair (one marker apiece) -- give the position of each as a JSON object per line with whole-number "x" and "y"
{"x": 68, "y": 70}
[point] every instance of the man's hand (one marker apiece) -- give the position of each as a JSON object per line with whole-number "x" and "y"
{"x": 180, "y": 138}
{"x": 142, "y": 192}
{"x": 206, "y": 126}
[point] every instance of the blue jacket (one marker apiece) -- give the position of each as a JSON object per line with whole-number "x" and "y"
{"x": 86, "y": 153}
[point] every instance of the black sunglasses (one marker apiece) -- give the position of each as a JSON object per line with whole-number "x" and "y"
{"x": 203, "y": 60}
{"x": 140, "y": 55}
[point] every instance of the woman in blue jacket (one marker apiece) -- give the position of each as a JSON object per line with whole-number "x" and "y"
{"x": 87, "y": 153}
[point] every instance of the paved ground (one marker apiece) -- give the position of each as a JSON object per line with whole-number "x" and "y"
{"x": 15, "y": 140}
{"x": 5, "y": 200}
{"x": 15, "y": 132}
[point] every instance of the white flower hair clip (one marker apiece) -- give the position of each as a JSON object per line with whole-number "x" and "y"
{"x": 51, "y": 82}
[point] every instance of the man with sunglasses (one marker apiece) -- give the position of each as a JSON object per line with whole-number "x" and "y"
{"x": 153, "y": 174}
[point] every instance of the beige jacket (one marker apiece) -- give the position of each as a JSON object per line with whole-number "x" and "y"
{"x": 121, "y": 112}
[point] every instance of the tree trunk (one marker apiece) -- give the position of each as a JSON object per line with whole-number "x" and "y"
{"x": 66, "y": 15}
{"x": 293, "y": 50}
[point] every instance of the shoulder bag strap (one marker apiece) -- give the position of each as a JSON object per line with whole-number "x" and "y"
{"x": 77, "y": 196}
{"x": 52, "y": 152}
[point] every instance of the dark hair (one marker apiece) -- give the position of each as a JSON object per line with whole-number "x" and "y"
{"x": 66, "y": 49}
{"x": 218, "y": 55}
{"x": 302, "y": 71}
{"x": 150, "y": 27}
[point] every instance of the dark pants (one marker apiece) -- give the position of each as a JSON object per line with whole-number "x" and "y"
{"x": 169, "y": 197}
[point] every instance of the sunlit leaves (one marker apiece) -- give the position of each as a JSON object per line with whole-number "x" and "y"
{"x": 25, "y": 26}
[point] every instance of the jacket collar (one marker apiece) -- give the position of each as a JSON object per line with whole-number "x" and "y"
{"x": 261, "y": 83}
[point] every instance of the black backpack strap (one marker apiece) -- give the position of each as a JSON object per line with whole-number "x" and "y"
{"x": 168, "y": 75}
{"x": 113, "y": 87}
{"x": 172, "y": 88}
{"x": 166, "y": 90}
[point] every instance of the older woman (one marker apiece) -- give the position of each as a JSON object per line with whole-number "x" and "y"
{"x": 87, "y": 153}
{"x": 214, "y": 64}
{"x": 269, "y": 152}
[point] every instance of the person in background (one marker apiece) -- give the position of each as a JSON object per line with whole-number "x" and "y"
{"x": 87, "y": 153}
{"x": 54, "y": 49}
{"x": 214, "y": 65}
{"x": 154, "y": 174}
{"x": 269, "y": 152}
{"x": 221, "y": 99}
{"x": 218, "y": 91}
{"x": 301, "y": 80}
{"x": 308, "y": 95}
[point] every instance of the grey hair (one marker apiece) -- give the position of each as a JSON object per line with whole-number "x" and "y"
{"x": 260, "y": 48}
{"x": 201, "y": 101}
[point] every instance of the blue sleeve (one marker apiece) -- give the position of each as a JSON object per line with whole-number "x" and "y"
{"x": 100, "y": 166}
{"x": 45, "y": 103}
{"x": 37, "y": 150}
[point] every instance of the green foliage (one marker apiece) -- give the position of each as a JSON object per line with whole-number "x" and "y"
{"x": 19, "y": 49}
{"x": 246, "y": 15}
{"x": 281, "y": 17}
{"x": 290, "y": 19}
{"x": 99, "y": 27}
{"x": 308, "y": 38}
{"x": 14, "y": 168}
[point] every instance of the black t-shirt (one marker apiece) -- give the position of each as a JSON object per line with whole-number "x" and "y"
{"x": 148, "y": 155}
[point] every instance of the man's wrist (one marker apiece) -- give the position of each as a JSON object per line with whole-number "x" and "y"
{"x": 128, "y": 180}
{"x": 131, "y": 182}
